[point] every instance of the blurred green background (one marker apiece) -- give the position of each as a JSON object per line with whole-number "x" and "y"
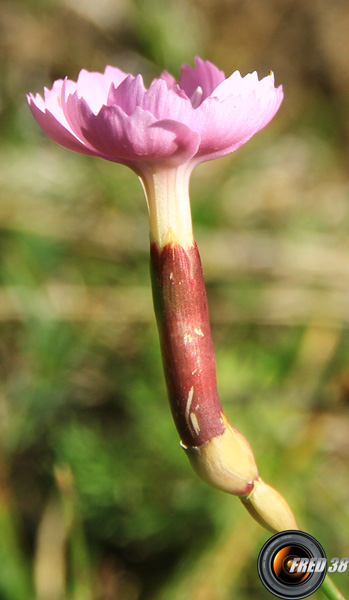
{"x": 97, "y": 500}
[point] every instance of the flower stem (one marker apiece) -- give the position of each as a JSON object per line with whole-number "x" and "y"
{"x": 167, "y": 195}
{"x": 188, "y": 357}
{"x": 217, "y": 451}
{"x": 330, "y": 590}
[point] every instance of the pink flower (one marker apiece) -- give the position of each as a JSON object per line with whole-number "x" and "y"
{"x": 161, "y": 132}
{"x": 200, "y": 117}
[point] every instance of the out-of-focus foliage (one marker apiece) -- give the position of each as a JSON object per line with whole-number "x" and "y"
{"x": 97, "y": 501}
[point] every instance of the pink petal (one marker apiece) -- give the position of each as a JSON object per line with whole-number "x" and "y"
{"x": 159, "y": 100}
{"x": 225, "y": 126}
{"x": 123, "y": 137}
{"x": 114, "y": 75}
{"x": 236, "y": 85}
{"x": 166, "y": 103}
{"x": 221, "y": 124}
{"x": 128, "y": 95}
{"x": 94, "y": 87}
{"x": 238, "y": 108}
{"x": 187, "y": 140}
{"x": 205, "y": 76}
{"x": 52, "y": 101}
{"x": 54, "y": 124}
{"x": 76, "y": 111}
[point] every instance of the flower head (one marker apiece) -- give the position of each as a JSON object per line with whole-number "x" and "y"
{"x": 114, "y": 116}
{"x": 161, "y": 132}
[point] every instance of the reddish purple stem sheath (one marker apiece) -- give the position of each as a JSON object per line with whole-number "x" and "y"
{"x": 180, "y": 304}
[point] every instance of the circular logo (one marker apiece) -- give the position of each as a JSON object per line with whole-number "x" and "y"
{"x": 292, "y": 564}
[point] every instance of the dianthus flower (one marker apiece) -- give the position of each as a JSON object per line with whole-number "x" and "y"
{"x": 162, "y": 133}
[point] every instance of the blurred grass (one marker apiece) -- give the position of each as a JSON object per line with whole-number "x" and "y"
{"x": 96, "y": 499}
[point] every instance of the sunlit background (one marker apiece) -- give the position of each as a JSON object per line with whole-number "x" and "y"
{"x": 97, "y": 500}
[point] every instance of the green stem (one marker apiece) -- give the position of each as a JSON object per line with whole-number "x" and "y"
{"x": 330, "y": 590}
